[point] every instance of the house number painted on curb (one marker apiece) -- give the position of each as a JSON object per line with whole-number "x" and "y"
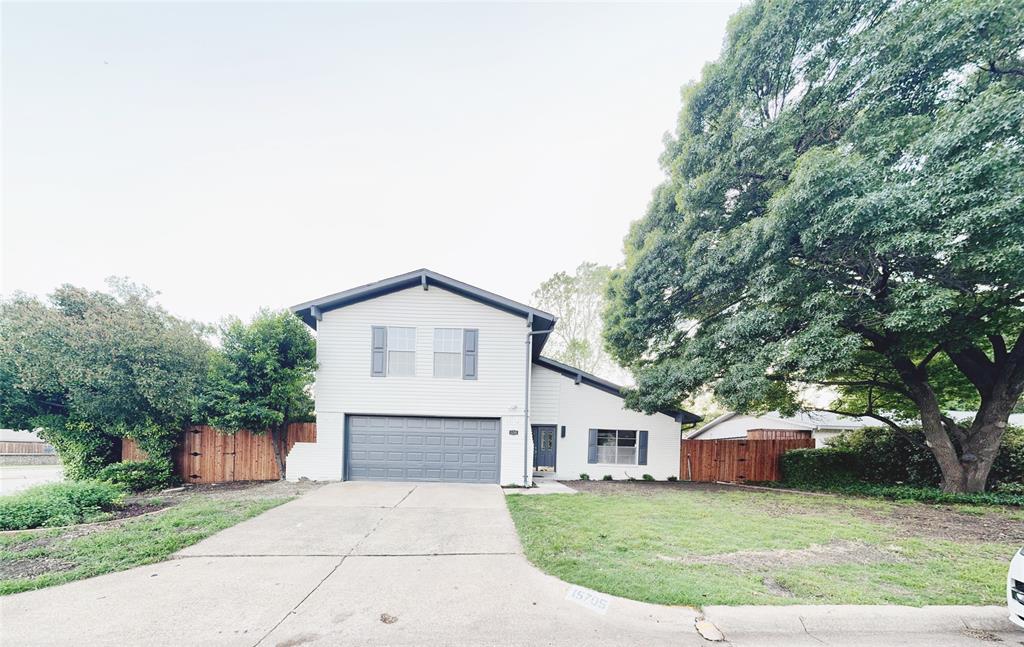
{"x": 592, "y": 600}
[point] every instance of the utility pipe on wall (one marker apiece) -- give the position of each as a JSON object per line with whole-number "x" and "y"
{"x": 530, "y": 332}
{"x": 526, "y": 397}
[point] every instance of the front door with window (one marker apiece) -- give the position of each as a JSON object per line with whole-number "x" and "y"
{"x": 544, "y": 440}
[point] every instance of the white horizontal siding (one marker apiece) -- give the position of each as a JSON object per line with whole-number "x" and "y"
{"x": 544, "y": 396}
{"x": 737, "y": 427}
{"x": 344, "y": 384}
{"x": 582, "y": 407}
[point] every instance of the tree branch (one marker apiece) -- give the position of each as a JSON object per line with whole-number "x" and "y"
{"x": 975, "y": 365}
{"x": 929, "y": 357}
{"x": 909, "y": 437}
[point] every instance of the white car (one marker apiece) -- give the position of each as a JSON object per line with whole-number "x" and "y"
{"x": 1015, "y": 589}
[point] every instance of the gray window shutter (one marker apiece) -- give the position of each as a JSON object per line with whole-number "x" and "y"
{"x": 379, "y": 351}
{"x": 592, "y": 447}
{"x": 469, "y": 354}
{"x": 642, "y": 444}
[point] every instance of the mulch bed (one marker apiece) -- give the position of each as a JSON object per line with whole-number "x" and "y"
{"x": 909, "y": 519}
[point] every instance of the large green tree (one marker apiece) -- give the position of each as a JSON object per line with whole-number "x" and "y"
{"x": 844, "y": 207}
{"x": 577, "y": 300}
{"x": 260, "y": 379}
{"x": 88, "y": 367}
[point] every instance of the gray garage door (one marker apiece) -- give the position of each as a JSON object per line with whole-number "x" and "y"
{"x": 460, "y": 450}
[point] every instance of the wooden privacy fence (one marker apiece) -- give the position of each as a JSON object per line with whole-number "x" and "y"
{"x": 24, "y": 447}
{"x": 735, "y": 461}
{"x": 777, "y": 434}
{"x": 206, "y": 455}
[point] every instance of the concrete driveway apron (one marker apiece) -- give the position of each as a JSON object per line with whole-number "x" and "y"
{"x": 355, "y": 563}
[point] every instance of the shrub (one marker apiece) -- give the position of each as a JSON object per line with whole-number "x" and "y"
{"x": 58, "y": 504}
{"x": 1011, "y": 488}
{"x": 606, "y": 477}
{"x": 584, "y": 476}
{"x": 83, "y": 450}
{"x": 823, "y": 467}
{"x": 138, "y": 475}
{"x": 647, "y": 477}
{"x": 673, "y": 478}
{"x": 886, "y": 457}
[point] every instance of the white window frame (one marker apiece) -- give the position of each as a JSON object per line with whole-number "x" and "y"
{"x": 392, "y": 337}
{"x": 619, "y": 447}
{"x": 458, "y": 337}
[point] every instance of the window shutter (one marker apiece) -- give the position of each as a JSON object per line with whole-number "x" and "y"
{"x": 378, "y": 351}
{"x": 642, "y": 452}
{"x": 469, "y": 354}
{"x": 592, "y": 447}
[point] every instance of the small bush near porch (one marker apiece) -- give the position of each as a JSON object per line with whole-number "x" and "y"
{"x": 701, "y": 544}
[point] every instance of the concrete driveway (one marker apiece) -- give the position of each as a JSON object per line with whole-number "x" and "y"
{"x": 348, "y": 564}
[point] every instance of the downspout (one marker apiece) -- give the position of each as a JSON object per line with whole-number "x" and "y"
{"x": 526, "y": 398}
{"x": 530, "y": 332}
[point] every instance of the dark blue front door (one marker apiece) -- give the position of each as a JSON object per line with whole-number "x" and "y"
{"x": 544, "y": 446}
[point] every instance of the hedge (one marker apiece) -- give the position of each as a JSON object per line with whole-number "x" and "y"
{"x": 885, "y": 457}
{"x": 138, "y": 476}
{"x": 820, "y": 467}
{"x": 879, "y": 462}
{"x": 58, "y": 504}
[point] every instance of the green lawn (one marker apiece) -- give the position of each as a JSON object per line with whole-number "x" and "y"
{"x": 693, "y": 547}
{"x": 135, "y": 542}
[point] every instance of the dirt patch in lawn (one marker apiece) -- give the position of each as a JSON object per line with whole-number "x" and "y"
{"x": 236, "y": 490}
{"x": 32, "y": 566}
{"x": 838, "y": 552}
{"x": 907, "y": 519}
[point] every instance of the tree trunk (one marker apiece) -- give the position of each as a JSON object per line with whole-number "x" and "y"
{"x": 938, "y": 440}
{"x": 979, "y": 443}
{"x": 279, "y": 436}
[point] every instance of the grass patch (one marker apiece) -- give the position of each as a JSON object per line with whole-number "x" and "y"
{"x": 59, "y": 504}
{"x": 698, "y": 548}
{"x": 133, "y": 543}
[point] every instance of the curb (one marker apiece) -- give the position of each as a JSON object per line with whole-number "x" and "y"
{"x": 824, "y": 619}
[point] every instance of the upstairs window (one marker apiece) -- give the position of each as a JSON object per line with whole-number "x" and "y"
{"x": 448, "y": 352}
{"x": 401, "y": 349}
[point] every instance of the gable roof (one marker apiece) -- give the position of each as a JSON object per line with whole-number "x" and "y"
{"x": 809, "y": 420}
{"x": 680, "y": 416}
{"x": 543, "y": 322}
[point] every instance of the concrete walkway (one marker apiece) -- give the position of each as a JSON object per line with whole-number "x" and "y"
{"x": 347, "y": 564}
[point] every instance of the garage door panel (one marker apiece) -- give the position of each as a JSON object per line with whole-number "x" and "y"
{"x": 464, "y": 450}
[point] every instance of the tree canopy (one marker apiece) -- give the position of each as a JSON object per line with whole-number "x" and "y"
{"x": 89, "y": 367}
{"x": 844, "y": 207}
{"x": 260, "y": 380}
{"x": 577, "y": 300}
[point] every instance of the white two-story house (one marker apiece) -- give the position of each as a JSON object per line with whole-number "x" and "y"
{"x": 425, "y": 378}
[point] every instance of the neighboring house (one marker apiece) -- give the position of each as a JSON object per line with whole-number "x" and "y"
{"x": 23, "y": 442}
{"x": 966, "y": 417}
{"x": 819, "y": 425}
{"x": 811, "y": 424}
{"x": 425, "y": 378}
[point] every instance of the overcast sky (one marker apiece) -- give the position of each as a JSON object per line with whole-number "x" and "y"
{"x": 234, "y": 156}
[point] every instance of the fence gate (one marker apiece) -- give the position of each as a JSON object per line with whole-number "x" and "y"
{"x": 735, "y": 460}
